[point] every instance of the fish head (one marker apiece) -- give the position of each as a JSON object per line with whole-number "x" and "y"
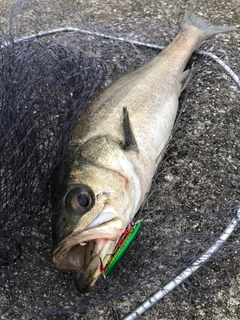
{"x": 91, "y": 208}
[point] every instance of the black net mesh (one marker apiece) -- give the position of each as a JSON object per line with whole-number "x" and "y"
{"x": 45, "y": 83}
{"x": 44, "y": 88}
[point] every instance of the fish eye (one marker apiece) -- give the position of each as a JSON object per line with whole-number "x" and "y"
{"x": 80, "y": 199}
{"x": 83, "y": 200}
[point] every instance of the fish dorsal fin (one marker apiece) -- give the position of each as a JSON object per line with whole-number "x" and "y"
{"x": 129, "y": 139}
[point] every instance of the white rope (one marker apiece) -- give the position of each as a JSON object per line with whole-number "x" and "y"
{"x": 93, "y": 33}
{"x": 223, "y": 65}
{"x": 187, "y": 272}
{"x": 227, "y": 69}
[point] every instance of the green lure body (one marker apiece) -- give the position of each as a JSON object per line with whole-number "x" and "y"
{"x": 121, "y": 250}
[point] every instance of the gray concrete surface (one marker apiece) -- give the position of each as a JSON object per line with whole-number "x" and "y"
{"x": 206, "y": 143}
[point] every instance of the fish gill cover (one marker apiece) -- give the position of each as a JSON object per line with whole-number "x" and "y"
{"x": 45, "y": 83}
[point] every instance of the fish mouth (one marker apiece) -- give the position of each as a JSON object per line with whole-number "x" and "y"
{"x": 87, "y": 251}
{"x": 89, "y": 275}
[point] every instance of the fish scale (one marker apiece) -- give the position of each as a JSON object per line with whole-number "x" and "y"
{"x": 120, "y": 137}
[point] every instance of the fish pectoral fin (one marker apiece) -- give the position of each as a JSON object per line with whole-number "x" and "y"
{"x": 129, "y": 138}
{"x": 186, "y": 76}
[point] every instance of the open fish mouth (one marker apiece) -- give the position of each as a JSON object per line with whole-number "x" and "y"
{"x": 87, "y": 258}
{"x": 88, "y": 276}
{"x": 86, "y": 252}
{"x": 78, "y": 256}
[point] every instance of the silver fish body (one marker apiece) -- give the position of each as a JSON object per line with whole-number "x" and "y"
{"x": 114, "y": 152}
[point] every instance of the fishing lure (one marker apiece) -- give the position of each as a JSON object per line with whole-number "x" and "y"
{"x": 121, "y": 248}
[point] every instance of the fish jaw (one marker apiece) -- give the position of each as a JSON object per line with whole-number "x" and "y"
{"x": 86, "y": 279}
{"x": 85, "y": 251}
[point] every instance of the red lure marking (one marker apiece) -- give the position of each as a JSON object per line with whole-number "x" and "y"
{"x": 102, "y": 269}
{"x": 124, "y": 234}
{"x": 120, "y": 241}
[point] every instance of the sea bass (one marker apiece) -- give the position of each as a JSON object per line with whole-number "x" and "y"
{"x": 114, "y": 152}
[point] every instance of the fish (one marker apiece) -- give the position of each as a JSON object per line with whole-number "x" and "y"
{"x": 116, "y": 147}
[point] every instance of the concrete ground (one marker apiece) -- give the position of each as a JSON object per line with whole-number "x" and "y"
{"x": 200, "y": 176}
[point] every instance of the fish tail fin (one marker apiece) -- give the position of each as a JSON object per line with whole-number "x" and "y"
{"x": 208, "y": 29}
